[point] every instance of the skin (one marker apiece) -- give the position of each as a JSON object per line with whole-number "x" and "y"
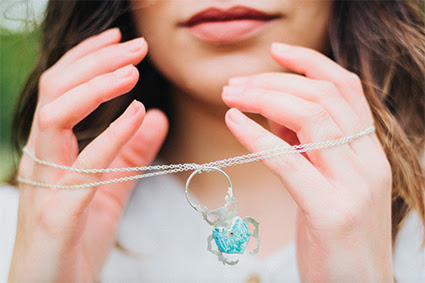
{"x": 201, "y": 69}
{"x": 75, "y": 240}
{"x": 302, "y": 94}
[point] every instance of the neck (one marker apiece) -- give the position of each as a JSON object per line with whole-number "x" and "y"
{"x": 200, "y": 135}
{"x": 199, "y": 132}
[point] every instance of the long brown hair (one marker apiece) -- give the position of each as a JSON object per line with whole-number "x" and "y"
{"x": 384, "y": 43}
{"x": 381, "y": 41}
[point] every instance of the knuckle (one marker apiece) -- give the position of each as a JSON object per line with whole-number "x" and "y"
{"x": 44, "y": 80}
{"x": 53, "y": 224}
{"x": 47, "y": 222}
{"x": 258, "y": 79}
{"x": 349, "y": 219}
{"x": 47, "y": 83}
{"x": 113, "y": 54}
{"x": 326, "y": 89}
{"x": 115, "y": 205}
{"x": 46, "y": 76}
{"x": 132, "y": 157}
{"x": 261, "y": 140}
{"x": 256, "y": 99}
{"x": 96, "y": 86}
{"x": 308, "y": 53}
{"x": 311, "y": 55}
{"x": 265, "y": 79}
{"x": 350, "y": 213}
{"x": 318, "y": 114}
{"x": 46, "y": 118}
{"x": 352, "y": 80}
{"x": 346, "y": 218}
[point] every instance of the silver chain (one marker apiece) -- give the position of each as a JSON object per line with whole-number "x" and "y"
{"x": 176, "y": 168}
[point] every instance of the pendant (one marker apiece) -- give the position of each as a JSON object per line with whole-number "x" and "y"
{"x": 230, "y": 233}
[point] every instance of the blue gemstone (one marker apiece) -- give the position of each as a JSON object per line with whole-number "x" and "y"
{"x": 232, "y": 241}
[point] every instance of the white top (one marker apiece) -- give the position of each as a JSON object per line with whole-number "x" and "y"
{"x": 170, "y": 240}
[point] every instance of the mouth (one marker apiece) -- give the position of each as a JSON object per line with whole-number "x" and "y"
{"x": 237, "y": 23}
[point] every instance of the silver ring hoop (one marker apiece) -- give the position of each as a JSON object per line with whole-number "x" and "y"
{"x": 199, "y": 171}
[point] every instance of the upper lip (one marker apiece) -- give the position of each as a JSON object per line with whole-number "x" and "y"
{"x": 235, "y": 13}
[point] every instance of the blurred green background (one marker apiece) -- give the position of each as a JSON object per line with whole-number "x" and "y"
{"x": 18, "y": 55}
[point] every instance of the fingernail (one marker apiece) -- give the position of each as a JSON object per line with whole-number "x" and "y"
{"x": 124, "y": 72}
{"x": 238, "y": 81}
{"x": 235, "y": 116}
{"x": 229, "y": 91}
{"x": 280, "y": 47}
{"x": 132, "y": 109}
{"x": 135, "y": 45}
{"x": 110, "y": 33}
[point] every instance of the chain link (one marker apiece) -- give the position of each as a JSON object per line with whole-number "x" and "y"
{"x": 176, "y": 168}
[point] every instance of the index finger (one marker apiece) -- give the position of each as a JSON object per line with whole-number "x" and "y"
{"x": 89, "y": 45}
{"x": 306, "y": 185}
{"x": 315, "y": 65}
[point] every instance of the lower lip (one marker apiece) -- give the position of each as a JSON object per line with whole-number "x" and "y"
{"x": 219, "y": 32}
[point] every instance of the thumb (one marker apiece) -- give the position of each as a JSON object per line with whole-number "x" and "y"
{"x": 140, "y": 150}
{"x": 108, "y": 204}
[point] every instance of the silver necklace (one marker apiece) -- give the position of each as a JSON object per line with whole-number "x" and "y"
{"x": 157, "y": 170}
{"x": 230, "y": 232}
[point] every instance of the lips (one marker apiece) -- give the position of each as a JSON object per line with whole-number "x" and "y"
{"x": 232, "y": 14}
{"x": 236, "y": 23}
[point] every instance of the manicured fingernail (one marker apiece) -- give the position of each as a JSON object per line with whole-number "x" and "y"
{"x": 124, "y": 72}
{"x": 132, "y": 109}
{"x": 280, "y": 47}
{"x": 235, "y": 116}
{"x": 230, "y": 91}
{"x": 135, "y": 45}
{"x": 110, "y": 33}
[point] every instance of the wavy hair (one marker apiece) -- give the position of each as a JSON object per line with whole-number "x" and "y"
{"x": 383, "y": 42}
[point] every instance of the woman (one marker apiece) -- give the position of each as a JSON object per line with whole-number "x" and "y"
{"x": 342, "y": 206}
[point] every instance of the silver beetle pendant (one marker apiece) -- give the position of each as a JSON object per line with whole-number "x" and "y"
{"x": 231, "y": 233}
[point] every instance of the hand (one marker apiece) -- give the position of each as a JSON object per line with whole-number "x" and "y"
{"x": 66, "y": 235}
{"x": 343, "y": 193}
